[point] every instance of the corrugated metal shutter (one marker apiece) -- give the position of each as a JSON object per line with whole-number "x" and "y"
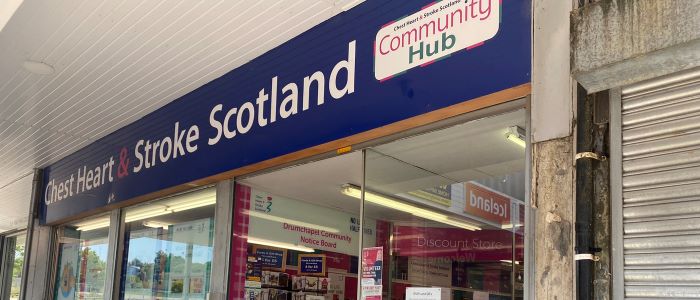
{"x": 661, "y": 187}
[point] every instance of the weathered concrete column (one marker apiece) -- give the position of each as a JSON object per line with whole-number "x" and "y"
{"x": 618, "y": 42}
{"x": 553, "y": 196}
{"x": 552, "y": 179}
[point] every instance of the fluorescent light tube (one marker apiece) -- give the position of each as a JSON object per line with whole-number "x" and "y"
{"x": 510, "y": 226}
{"x": 269, "y": 217}
{"x": 156, "y": 224}
{"x": 94, "y": 226}
{"x": 145, "y": 215}
{"x": 99, "y": 220}
{"x": 289, "y": 246}
{"x": 192, "y": 205}
{"x": 353, "y": 191}
{"x": 516, "y": 135}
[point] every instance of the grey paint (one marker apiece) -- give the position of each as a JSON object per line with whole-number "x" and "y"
{"x": 552, "y": 86}
{"x": 41, "y": 263}
{"x": 222, "y": 240}
{"x": 656, "y": 191}
{"x": 530, "y": 265}
{"x": 115, "y": 248}
{"x": 616, "y": 194}
{"x": 618, "y": 42}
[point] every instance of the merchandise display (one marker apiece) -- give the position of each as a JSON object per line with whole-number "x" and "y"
{"x": 265, "y": 284}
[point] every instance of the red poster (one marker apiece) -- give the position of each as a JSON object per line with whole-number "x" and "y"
{"x": 372, "y": 259}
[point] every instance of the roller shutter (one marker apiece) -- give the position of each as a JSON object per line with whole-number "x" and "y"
{"x": 660, "y": 147}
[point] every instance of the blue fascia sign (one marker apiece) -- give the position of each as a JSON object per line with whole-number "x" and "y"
{"x": 376, "y": 64}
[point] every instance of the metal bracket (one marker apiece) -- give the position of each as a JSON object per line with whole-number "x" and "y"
{"x": 592, "y": 155}
{"x": 586, "y": 256}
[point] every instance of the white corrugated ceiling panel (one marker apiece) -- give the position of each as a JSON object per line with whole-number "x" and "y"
{"x": 116, "y": 61}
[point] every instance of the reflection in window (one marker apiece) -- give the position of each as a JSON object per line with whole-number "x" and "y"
{"x": 168, "y": 247}
{"x": 82, "y": 261}
{"x": 296, "y": 235}
{"x": 441, "y": 210}
{"x": 13, "y": 256}
{"x": 452, "y": 204}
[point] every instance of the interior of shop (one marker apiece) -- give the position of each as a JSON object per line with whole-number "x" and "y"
{"x": 443, "y": 209}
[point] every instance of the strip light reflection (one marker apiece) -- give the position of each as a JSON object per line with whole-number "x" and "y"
{"x": 355, "y": 192}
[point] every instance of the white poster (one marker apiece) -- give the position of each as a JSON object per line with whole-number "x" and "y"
{"x": 372, "y": 292}
{"x": 68, "y": 271}
{"x": 298, "y": 223}
{"x": 422, "y": 293}
{"x": 337, "y": 285}
{"x": 481, "y": 296}
{"x": 430, "y": 271}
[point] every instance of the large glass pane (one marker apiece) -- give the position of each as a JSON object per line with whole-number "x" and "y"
{"x": 450, "y": 205}
{"x": 17, "y": 265}
{"x": 295, "y": 235}
{"x": 82, "y": 260}
{"x": 12, "y": 260}
{"x": 168, "y": 247}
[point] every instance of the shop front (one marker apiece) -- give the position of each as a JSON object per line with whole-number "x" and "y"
{"x": 440, "y": 212}
{"x": 379, "y": 155}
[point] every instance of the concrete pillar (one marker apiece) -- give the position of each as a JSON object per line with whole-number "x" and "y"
{"x": 553, "y": 199}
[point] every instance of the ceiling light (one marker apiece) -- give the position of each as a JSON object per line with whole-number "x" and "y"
{"x": 510, "y": 226}
{"x": 289, "y": 246}
{"x": 516, "y": 135}
{"x": 164, "y": 207}
{"x": 37, "y": 67}
{"x": 156, "y": 224}
{"x": 353, "y": 191}
{"x": 94, "y": 226}
{"x": 269, "y": 217}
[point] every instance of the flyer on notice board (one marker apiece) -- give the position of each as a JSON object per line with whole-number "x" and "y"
{"x": 372, "y": 259}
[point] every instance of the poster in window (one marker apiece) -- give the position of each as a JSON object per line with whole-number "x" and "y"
{"x": 68, "y": 271}
{"x": 271, "y": 258}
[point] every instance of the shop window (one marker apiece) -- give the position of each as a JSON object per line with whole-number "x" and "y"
{"x": 82, "y": 259}
{"x": 168, "y": 247}
{"x": 295, "y": 235}
{"x": 12, "y": 266}
{"x": 449, "y": 207}
{"x": 443, "y": 213}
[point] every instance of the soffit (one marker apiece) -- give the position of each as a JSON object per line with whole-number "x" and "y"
{"x": 116, "y": 61}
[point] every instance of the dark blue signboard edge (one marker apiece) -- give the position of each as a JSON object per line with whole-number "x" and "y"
{"x": 500, "y": 63}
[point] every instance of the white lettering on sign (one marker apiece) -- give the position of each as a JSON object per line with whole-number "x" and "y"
{"x": 487, "y": 203}
{"x": 434, "y": 32}
{"x": 239, "y": 120}
{"x": 83, "y": 180}
{"x": 227, "y": 122}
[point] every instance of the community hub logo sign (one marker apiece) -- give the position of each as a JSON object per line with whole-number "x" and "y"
{"x": 436, "y": 31}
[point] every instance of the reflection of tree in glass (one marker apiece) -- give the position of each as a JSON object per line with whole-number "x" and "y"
{"x": 160, "y": 263}
{"x": 94, "y": 275}
{"x": 17, "y": 270}
{"x": 19, "y": 260}
{"x": 139, "y": 274}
